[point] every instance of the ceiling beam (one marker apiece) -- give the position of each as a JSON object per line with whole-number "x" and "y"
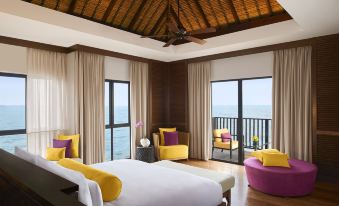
{"x": 174, "y": 14}
{"x": 96, "y": 8}
{"x": 57, "y": 5}
{"x": 149, "y": 20}
{"x": 185, "y": 15}
{"x": 142, "y": 17}
{"x": 71, "y": 7}
{"x": 157, "y": 24}
{"x": 246, "y": 10}
{"x": 41, "y": 3}
{"x": 108, "y": 10}
{"x": 194, "y": 15}
{"x": 268, "y": 3}
{"x": 201, "y": 11}
{"x": 257, "y": 7}
{"x": 213, "y": 12}
{"x": 136, "y": 15}
{"x": 234, "y": 11}
{"x": 223, "y": 10}
{"x": 127, "y": 12}
{"x": 83, "y": 8}
{"x": 117, "y": 11}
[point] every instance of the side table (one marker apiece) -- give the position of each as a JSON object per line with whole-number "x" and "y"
{"x": 145, "y": 154}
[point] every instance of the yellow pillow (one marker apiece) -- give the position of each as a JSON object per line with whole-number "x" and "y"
{"x": 55, "y": 154}
{"x": 275, "y": 159}
{"x": 109, "y": 184}
{"x": 218, "y": 139}
{"x": 218, "y": 132}
{"x": 258, "y": 154}
{"x": 162, "y": 130}
{"x": 75, "y": 143}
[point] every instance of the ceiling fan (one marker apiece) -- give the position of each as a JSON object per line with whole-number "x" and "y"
{"x": 178, "y": 33}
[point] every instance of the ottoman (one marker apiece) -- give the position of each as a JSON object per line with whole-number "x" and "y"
{"x": 296, "y": 181}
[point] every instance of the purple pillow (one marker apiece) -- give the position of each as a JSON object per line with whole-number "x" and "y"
{"x": 63, "y": 143}
{"x": 171, "y": 138}
{"x": 226, "y": 137}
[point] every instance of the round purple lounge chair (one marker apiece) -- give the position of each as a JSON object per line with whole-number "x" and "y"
{"x": 296, "y": 181}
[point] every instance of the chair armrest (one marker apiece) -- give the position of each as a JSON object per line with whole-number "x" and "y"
{"x": 184, "y": 138}
{"x": 156, "y": 142}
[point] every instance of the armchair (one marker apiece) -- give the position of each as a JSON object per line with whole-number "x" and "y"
{"x": 173, "y": 152}
{"x": 218, "y": 143}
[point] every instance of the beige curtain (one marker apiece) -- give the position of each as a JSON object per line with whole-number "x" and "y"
{"x": 88, "y": 106}
{"x": 291, "y": 123}
{"x": 139, "y": 96}
{"x": 199, "y": 98}
{"x": 46, "y": 77}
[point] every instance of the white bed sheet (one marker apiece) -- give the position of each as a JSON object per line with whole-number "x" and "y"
{"x": 146, "y": 184}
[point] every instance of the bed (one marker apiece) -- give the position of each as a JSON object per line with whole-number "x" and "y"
{"x": 143, "y": 184}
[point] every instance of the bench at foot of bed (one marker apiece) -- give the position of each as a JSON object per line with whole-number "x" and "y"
{"x": 226, "y": 181}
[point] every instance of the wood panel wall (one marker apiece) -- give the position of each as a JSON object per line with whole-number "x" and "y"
{"x": 326, "y": 59}
{"x": 168, "y": 96}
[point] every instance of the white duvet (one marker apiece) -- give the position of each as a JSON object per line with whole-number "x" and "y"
{"x": 146, "y": 184}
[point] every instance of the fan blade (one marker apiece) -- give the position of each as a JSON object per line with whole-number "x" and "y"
{"x": 170, "y": 42}
{"x": 151, "y": 36}
{"x": 173, "y": 27}
{"x": 195, "y": 40}
{"x": 202, "y": 31}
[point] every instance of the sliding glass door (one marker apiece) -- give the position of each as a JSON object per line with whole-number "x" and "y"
{"x": 244, "y": 107}
{"x": 117, "y": 120}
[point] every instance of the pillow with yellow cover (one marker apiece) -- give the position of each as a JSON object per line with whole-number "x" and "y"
{"x": 162, "y": 137}
{"x": 109, "y": 184}
{"x": 55, "y": 154}
{"x": 74, "y": 145}
{"x": 275, "y": 159}
{"x": 258, "y": 154}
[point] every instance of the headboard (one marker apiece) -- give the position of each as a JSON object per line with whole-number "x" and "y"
{"x": 25, "y": 184}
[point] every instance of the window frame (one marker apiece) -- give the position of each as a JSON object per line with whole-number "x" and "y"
{"x": 16, "y": 131}
{"x": 111, "y": 125}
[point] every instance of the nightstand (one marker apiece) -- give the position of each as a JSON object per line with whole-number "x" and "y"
{"x": 145, "y": 154}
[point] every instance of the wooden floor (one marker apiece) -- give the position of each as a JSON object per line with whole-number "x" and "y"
{"x": 325, "y": 194}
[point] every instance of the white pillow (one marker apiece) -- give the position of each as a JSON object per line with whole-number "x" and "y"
{"x": 95, "y": 193}
{"x": 84, "y": 195}
{"x": 29, "y": 157}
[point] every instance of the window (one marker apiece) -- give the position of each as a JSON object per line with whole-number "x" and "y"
{"x": 117, "y": 120}
{"x": 12, "y": 111}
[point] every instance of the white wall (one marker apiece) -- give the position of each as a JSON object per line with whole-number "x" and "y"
{"x": 254, "y": 65}
{"x": 13, "y": 59}
{"x": 116, "y": 69}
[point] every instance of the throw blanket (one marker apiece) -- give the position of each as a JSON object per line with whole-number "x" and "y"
{"x": 146, "y": 184}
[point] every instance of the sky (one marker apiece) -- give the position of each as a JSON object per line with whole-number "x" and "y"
{"x": 255, "y": 92}
{"x": 12, "y": 91}
{"x": 120, "y": 94}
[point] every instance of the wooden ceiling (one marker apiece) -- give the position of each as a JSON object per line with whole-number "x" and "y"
{"x": 149, "y": 17}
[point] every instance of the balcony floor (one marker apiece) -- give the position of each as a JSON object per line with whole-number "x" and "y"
{"x": 225, "y": 155}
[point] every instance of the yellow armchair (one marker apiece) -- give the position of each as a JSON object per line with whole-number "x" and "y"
{"x": 173, "y": 152}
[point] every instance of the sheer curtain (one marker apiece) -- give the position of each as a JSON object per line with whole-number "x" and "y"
{"x": 87, "y": 105}
{"x": 199, "y": 101}
{"x": 291, "y": 123}
{"x": 139, "y": 96}
{"x": 46, "y": 77}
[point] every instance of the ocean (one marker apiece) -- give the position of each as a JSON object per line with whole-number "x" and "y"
{"x": 13, "y": 117}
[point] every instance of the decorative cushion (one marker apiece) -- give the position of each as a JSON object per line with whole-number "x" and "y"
{"x": 162, "y": 130}
{"x": 55, "y": 154}
{"x": 62, "y": 144}
{"x": 218, "y": 132}
{"x": 218, "y": 139}
{"x": 171, "y": 138}
{"x": 258, "y": 154}
{"x": 226, "y": 137}
{"x": 109, "y": 184}
{"x": 275, "y": 159}
{"x": 173, "y": 152}
{"x": 74, "y": 145}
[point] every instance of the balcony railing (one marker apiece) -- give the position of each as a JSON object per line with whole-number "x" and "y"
{"x": 251, "y": 127}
